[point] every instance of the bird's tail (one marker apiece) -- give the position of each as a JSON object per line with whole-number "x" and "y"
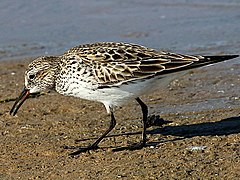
{"x": 220, "y": 57}
{"x": 207, "y": 60}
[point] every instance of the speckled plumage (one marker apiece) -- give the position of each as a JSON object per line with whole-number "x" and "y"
{"x": 110, "y": 73}
{"x": 115, "y": 63}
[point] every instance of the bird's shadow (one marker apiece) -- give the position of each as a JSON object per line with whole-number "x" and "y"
{"x": 224, "y": 127}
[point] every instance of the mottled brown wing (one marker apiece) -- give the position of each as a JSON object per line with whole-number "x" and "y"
{"x": 115, "y": 63}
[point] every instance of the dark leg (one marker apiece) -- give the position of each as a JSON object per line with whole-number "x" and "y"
{"x": 112, "y": 125}
{"x": 145, "y": 116}
{"x": 95, "y": 144}
{"x": 141, "y": 144}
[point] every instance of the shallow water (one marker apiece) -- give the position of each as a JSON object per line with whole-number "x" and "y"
{"x": 31, "y": 28}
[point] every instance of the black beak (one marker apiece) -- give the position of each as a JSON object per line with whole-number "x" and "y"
{"x": 20, "y": 100}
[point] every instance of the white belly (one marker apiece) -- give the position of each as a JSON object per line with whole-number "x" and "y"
{"x": 114, "y": 95}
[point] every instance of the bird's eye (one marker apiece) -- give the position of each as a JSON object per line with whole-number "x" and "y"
{"x": 31, "y": 76}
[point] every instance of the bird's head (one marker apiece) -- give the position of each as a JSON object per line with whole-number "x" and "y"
{"x": 40, "y": 76}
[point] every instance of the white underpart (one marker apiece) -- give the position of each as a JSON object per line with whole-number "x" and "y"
{"x": 115, "y": 95}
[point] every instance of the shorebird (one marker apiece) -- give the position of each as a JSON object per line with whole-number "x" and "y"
{"x": 111, "y": 73}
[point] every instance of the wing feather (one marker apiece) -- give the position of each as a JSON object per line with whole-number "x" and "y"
{"x": 115, "y": 63}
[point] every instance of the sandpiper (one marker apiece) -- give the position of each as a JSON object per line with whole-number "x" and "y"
{"x": 111, "y": 73}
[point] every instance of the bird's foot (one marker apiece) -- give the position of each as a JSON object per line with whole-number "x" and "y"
{"x": 80, "y": 149}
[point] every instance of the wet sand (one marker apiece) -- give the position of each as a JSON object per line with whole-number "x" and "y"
{"x": 202, "y": 142}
